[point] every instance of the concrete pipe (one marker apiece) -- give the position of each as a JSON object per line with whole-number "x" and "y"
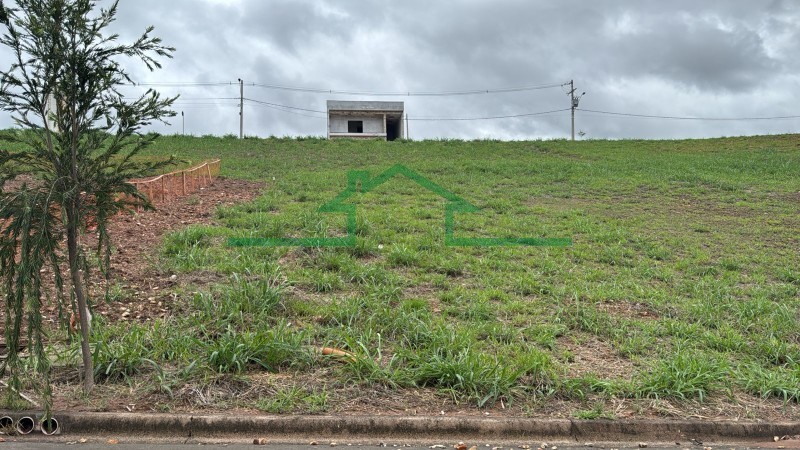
{"x": 6, "y": 424}
{"x": 50, "y": 426}
{"x": 25, "y": 425}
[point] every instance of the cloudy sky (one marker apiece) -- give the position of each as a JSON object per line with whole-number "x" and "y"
{"x": 716, "y": 59}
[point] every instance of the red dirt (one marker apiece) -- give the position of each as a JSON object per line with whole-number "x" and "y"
{"x": 136, "y": 239}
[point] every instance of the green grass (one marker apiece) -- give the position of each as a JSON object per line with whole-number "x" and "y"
{"x": 293, "y": 400}
{"x": 683, "y": 265}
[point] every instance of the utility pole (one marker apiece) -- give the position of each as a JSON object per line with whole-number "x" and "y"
{"x": 241, "y": 109}
{"x": 183, "y": 124}
{"x": 572, "y": 105}
{"x": 407, "y": 127}
{"x": 573, "y": 102}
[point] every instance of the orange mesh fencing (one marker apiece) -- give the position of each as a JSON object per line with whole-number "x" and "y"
{"x": 166, "y": 187}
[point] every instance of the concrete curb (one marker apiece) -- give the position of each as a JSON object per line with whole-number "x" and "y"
{"x": 306, "y": 428}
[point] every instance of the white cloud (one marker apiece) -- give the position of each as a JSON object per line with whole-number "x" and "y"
{"x": 682, "y": 58}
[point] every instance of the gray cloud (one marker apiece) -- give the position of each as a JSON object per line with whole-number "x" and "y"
{"x": 686, "y": 58}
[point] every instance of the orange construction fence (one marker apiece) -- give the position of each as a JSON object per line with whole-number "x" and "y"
{"x": 166, "y": 187}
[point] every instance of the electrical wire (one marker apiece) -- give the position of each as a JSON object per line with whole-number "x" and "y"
{"x": 287, "y": 108}
{"x": 349, "y": 92}
{"x": 204, "y": 105}
{"x": 293, "y": 109}
{"x": 183, "y": 99}
{"x": 284, "y": 106}
{"x": 184, "y": 84}
{"x": 290, "y": 111}
{"x": 541, "y": 113}
{"x": 650, "y": 116}
{"x": 406, "y": 93}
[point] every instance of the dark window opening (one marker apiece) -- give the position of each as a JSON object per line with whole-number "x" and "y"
{"x": 355, "y": 126}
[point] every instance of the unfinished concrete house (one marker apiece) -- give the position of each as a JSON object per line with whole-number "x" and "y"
{"x": 366, "y": 120}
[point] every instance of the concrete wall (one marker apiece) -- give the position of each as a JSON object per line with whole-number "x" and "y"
{"x": 402, "y": 134}
{"x": 372, "y": 124}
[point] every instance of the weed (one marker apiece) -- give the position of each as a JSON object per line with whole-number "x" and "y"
{"x": 294, "y": 399}
{"x": 597, "y": 412}
{"x": 370, "y": 366}
{"x": 326, "y": 281}
{"x": 780, "y": 382}
{"x": 471, "y": 375}
{"x": 120, "y": 351}
{"x": 684, "y": 376}
{"x": 402, "y": 255}
{"x": 231, "y": 352}
{"x": 580, "y": 388}
{"x": 187, "y": 239}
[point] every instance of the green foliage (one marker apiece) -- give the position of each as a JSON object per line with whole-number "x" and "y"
{"x": 242, "y": 303}
{"x": 597, "y": 412}
{"x": 685, "y": 376}
{"x": 781, "y": 382}
{"x": 294, "y": 399}
{"x": 232, "y": 352}
{"x": 121, "y": 351}
{"x": 582, "y": 387}
{"x": 401, "y": 255}
{"x": 369, "y": 365}
{"x": 77, "y": 141}
{"x": 190, "y": 238}
{"x": 470, "y": 375}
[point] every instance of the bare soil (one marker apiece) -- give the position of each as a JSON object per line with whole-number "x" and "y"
{"x": 148, "y": 291}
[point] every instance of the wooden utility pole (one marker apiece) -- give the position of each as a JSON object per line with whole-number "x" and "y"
{"x": 241, "y": 109}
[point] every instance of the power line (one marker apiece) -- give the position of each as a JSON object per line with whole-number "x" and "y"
{"x": 407, "y": 93}
{"x": 183, "y": 84}
{"x": 351, "y": 92}
{"x": 279, "y": 108}
{"x": 434, "y": 93}
{"x": 650, "y": 116}
{"x": 183, "y": 99}
{"x": 210, "y": 101}
{"x": 541, "y": 113}
{"x": 292, "y": 109}
{"x": 285, "y": 106}
{"x": 209, "y": 104}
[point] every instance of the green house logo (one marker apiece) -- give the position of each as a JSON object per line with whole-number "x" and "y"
{"x": 359, "y": 181}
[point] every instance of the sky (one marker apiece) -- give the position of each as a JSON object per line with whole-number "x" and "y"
{"x": 710, "y": 58}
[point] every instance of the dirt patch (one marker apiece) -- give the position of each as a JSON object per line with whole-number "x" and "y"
{"x": 136, "y": 238}
{"x": 591, "y": 355}
{"x": 628, "y": 310}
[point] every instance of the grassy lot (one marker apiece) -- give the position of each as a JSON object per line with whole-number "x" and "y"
{"x": 682, "y": 283}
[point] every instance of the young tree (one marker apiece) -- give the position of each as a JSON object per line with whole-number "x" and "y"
{"x": 76, "y": 139}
